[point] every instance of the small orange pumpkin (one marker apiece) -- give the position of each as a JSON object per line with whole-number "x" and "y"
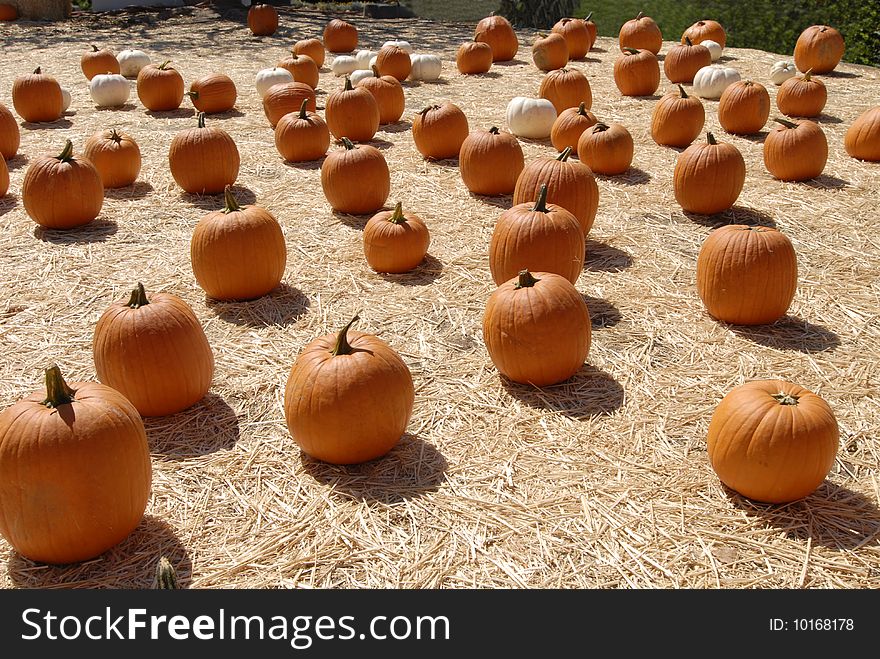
{"x": 340, "y": 36}
{"x": 706, "y": 30}
{"x": 203, "y": 160}
{"x": 115, "y": 155}
{"x": 550, "y": 52}
{"x": 795, "y": 150}
{"x": 566, "y": 88}
{"x": 352, "y": 112}
{"x": 388, "y": 93}
{"x": 708, "y": 176}
{"x": 683, "y": 60}
{"x": 301, "y": 136}
{"x": 802, "y": 96}
{"x": 160, "y": 87}
{"x": 439, "y": 131}
{"x": 262, "y": 20}
{"x": 641, "y": 32}
{"x": 213, "y": 93}
{"x": 10, "y": 134}
{"x": 395, "y": 241}
{"x": 498, "y": 33}
{"x": 576, "y": 35}
{"x": 37, "y": 97}
{"x": 98, "y": 61}
{"x": 862, "y": 139}
{"x": 677, "y": 119}
{"x": 286, "y": 97}
{"x": 473, "y": 57}
{"x": 606, "y": 148}
{"x": 302, "y": 67}
{"x": 393, "y": 61}
{"x": 355, "y": 179}
{"x": 636, "y": 72}
{"x": 312, "y": 48}
{"x": 490, "y": 162}
{"x": 744, "y": 107}
{"x": 569, "y": 126}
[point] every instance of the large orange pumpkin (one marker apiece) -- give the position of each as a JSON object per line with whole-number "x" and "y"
{"x": 683, "y": 60}
{"x": 302, "y": 67}
{"x": 10, "y": 134}
{"x": 772, "y": 440}
{"x": 550, "y": 52}
{"x": 802, "y": 96}
{"x": 576, "y": 35}
{"x": 473, "y": 57}
{"x": 203, "y": 160}
{"x": 537, "y": 328}
{"x": 439, "y": 131}
{"x": 301, "y": 136}
{"x": 395, "y": 241}
{"x": 636, "y": 72}
{"x": 744, "y": 107}
{"x": 393, "y": 61}
{"x": 153, "y": 351}
{"x": 287, "y": 97}
{"x": 388, "y": 93}
{"x": 747, "y": 275}
{"x": 795, "y": 150}
{"x": 160, "y": 87}
{"x": 819, "y": 48}
{"x": 98, "y": 61}
{"x": 311, "y": 47}
{"x": 490, "y": 162}
{"x": 498, "y": 33}
{"x": 641, "y": 32}
{"x": 708, "y": 176}
{"x": 352, "y": 112}
{"x": 213, "y": 93}
{"x": 566, "y": 88}
{"x": 677, "y": 119}
{"x": 606, "y": 148}
{"x": 569, "y": 126}
{"x": 37, "y": 97}
{"x": 75, "y": 471}
{"x": 340, "y": 377}
{"x": 115, "y": 155}
{"x": 340, "y": 36}
{"x": 862, "y": 139}
{"x": 262, "y": 20}
{"x": 706, "y": 30}
{"x": 355, "y": 179}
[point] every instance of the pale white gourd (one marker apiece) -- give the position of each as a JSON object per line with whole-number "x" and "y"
{"x": 403, "y": 45}
{"x": 131, "y": 62}
{"x": 359, "y": 75}
{"x": 782, "y": 71}
{"x": 373, "y": 60}
{"x": 268, "y": 77}
{"x": 109, "y": 90}
{"x": 65, "y": 99}
{"x": 425, "y": 67}
{"x": 343, "y": 65}
{"x": 715, "y": 48}
{"x": 711, "y": 81}
{"x": 530, "y": 117}
{"x": 363, "y": 58}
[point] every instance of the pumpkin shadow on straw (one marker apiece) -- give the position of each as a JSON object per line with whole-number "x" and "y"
{"x": 8, "y": 202}
{"x": 137, "y": 190}
{"x": 129, "y": 565}
{"x": 734, "y": 215}
{"x": 842, "y": 74}
{"x": 179, "y": 113}
{"x": 827, "y": 182}
{"x": 229, "y": 114}
{"x": 511, "y": 62}
{"x": 207, "y": 427}
{"x": 758, "y": 137}
{"x": 601, "y": 257}
{"x": 587, "y": 394}
{"x": 355, "y": 221}
{"x": 125, "y": 107}
{"x": 96, "y": 231}
{"x": 215, "y": 202}
{"x": 602, "y": 313}
{"x": 304, "y": 165}
{"x": 790, "y": 333}
{"x": 833, "y": 516}
{"x": 485, "y": 74}
{"x": 424, "y": 274}
{"x": 20, "y": 160}
{"x": 632, "y": 176}
{"x": 43, "y": 125}
{"x": 827, "y": 119}
{"x": 411, "y": 469}
{"x": 399, "y": 126}
{"x": 283, "y": 305}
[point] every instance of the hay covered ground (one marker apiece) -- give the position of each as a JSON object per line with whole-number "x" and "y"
{"x": 600, "y": 482}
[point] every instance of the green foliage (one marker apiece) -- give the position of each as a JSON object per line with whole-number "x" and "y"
{"x": 84, "y": 5}
{"x": 762, "y": 24}
{"x": 537, "y": 13}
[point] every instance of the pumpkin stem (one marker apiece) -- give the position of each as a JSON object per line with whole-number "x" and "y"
{"x": 785, "y": 399}
{"x": 376, "y": 71}
{"x": 343, "y": 347}
{"x": 38, "y": 71}
{"x": 808, "y": 75}
{"x": 589, "y": 16}
{"x": 58, "y": 392}
{"x": 302, "y": 109}
{"x": 164, "y": 64}
{"x": 166, "y": 575}
{"x": 425, "y": 111}
{"x": 525, "y": 280}
{"x": 397, "y": 216}
{"x": 562, "y": 157}
{"x": 582, "y": 109}
{"x": 115, "y": 136}
{"x": 193, "y": 95}
{"x": 710, "y": 138}
{"x": 688, "y": 41}
{"x": 231, "y": 202}
{"x": 541, "y": 201}
{"x": 94, "y": 48}
{"x": 682, "y": 92}
{"x": 201, "y": 119}
{"x": 785, "y": 122}
{"x": 138, "y": 297}
{"x": 494, "y": 130}
{"x": 640, "y": 15}
{"x": 601, "y": 127}
{"x": 631, "y": 51}
{"x": 66, "y": 154}
{"x": 347, "y": 143}
{"x": 347, "y": 87}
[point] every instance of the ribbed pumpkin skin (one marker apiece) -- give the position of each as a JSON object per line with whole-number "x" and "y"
{"x": 325, "y": 392}
{"x": 802, "y": 96}
{"x": 340, "y": 36}
{"x": 637, "y": 74}
{"x": 677, "y": 120}
{"x": 352, "y": 113}
{"x": 213, "y": 93}
{"x": 473, "y": 57}
{"x": 684, "y": 60}
{"x": 606, "y": 148}
{"x": 395, "y": 247}
{"x": 570, "y": 184}
{"x": 357, "y": 180}
{"x": 36, "y": 97}
{"x": 440, "y": 130}
{"x": 74, "y": 480}
{"x": 548, "y": 240}
{"x": 4, "y": 178}
{"x": 59, "y": 194}
{"x": 393, "y": 61}
{"x": 300, "y": 139}
{"x": 747, "y": 275}
{"x": 287, "y": 97}
{"x": 708, "y": 178}
{"x": 156, "y": 355}
{"x": 312, "y": 48}
{"x": 862, "y": 138}
{"x": 796, "y": 154}
{"x": 490, "y": 162}
{"x": 550, "y": 52}
{"x": 820, "y": 48}
{"x": 769, "y": 451}
{"x": 566, "y": 88}
{"x": 203, "y": 160}
{"x": 95, "y": 62}
{"x": 302, "y": 67}
{"x": 641, "y": 32}
{"x": 592, "y": 30}
{"x": 576, "y": 36}
{"x": 703, "y": 30}
{"x": 744, "y": 107}
{"x": 498, "y": 33}
{"x": 160, "y": 87}
{"x": 537, "y": 334}
{"x": 116, "y": 156}
{"x": 389, "y": 96}
{"x": 569, "y": 126}
{"x": 10, "y": 134}
{"x": 262, "y": 20}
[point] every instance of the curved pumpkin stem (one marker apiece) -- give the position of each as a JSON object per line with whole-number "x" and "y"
{"x": 347, "y": 87}
{"x": 426, "y": 110}
{"x": 589, "y": 16}
{"x": 201, "y": 119}
{"x": 303, "y": 114}
{"x": 193, "y": 95}
{"x": 785, "y": 399}
{"x": 541, "y": 201}
{"x": 641, "y": 14}
{"x": 166, "y": 575}
{"x": 582, "y": 109}
{"x": 58, "y": 392}
{"x": 343, "y": 347}
{"x": 710, "y": 138}
{"x": 494, "y": 130}
{"x": 38, "y": 71}
{"x": 601, "y": 127}
{"x": 525, "y": 280}
{"x": 348, "y": 144}
{"x": 785, "y": 122}
{"x": 375, "y": 70}
{"x": 688, "y": 41}
{"x": 164, "y": 64}
{"x": 682, "y": 92}
{"x": 138, "y": 297}
{"x": 397, "y": 216}
{"x": 808, "y": 75}
{"x": 631, "y": 51}
{"x": 66, "y": 154}
{"x": 93, "y": 47}
{"x": 231, "y": 202}
{"x": 562, "y": 157}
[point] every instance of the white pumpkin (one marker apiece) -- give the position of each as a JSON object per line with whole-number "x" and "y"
{"x": 373, "y": 61}
{"x": 530, "y": 117}
{"x": 363, "y": 58}
{"x": 359, "y": 75}
{"x": 109, "y": 90}
{"x": 403, "y": 45}
{"x": 425, "y": 67}
{"x": 343, "y": 65}
{"x": 268, "y": 77}
{"x": 711, "y": 81}
{"x": 715, "y": 49}
{"x": 782, "y": 71}
{"x": 65, "y": 99}
{"x": 131, "y": 62}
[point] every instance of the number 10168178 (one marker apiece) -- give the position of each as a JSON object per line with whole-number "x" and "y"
{"x": 812, "y": 624}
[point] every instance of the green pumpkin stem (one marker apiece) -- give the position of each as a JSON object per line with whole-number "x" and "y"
{"x": 785, "y": 122}
{"x": 58, "y": 392}
{"x": 541, "y": 201}
{"x": 785, "y": 399}
{"x": 562, "y": 157}
{"x": 164, "y": 64}
{"x": 494, "y": 130}
{"x": 525, "y": 280}
{"x": 303, "y": 113}
{"x": 682, "y": 92}
{"x": 66, "y": 154}
{"x": 138, "y": 297}
{"x": 201, "y": 119}
{"x": 808, "y": 75}
{"x": 397, "y": 216}
{"x": 347, "y": 143}
{"x": 166, "y": 575}
{"x": 343, "y": 347}
{"x": 231, "y": 201}
{"x": 710, "y": 138}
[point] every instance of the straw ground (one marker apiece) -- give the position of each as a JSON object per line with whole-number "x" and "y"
{"x": 600, "y": 482}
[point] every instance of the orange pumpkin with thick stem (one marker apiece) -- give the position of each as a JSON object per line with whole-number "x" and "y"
{"x": 708, "y": 176}
{"x": 677, "y": 119}
{"x": 498, "y": 33}
{"x": 641, "y": 32}
{"x": 62, "y": 192}
{"x": 490, "y": 162}
{"x": 802, "y": 96}
{"x": 570, "y": 184}
{"x": 262, "y": 20}
{"x": 795, "y": 150}
{"x": 395, "y": 241}
{"x": 819, "y": 49}
{"x": 37, "y": 97}
{"x": 302, "y": 136}
{"x": 569, "y": 126}
{"x": 747, "y": 275}
{"x": 352, "y": 112}
{"x": 98, "y": 61}
{"x": 355, "y": 179}
{"x": 683, "y": 60}
{"x": 312, "y": 48}
{"x": 203, "y": 160}
{"x": 439, "y": 131}
{"x": 772, "y": 441}
{"x": 393, "y": 61}
{"x": 473, "y": 57}
{"x": 744, "y": 107}
{"x": 536, "y": 327}
{"x": 302, "y": 67}
{"x": 10, "y": 134}
{"x": 636, "y": 72}
{"x": 576, "y": 35}
{"x": 550, "y": 52}
{"x": 153, "y": 350}
{"x": 115, "y": 155}
{"x": 160, "y": 87}
{"x": 706, "y": 29}
{"x": 606, "y": 148}
{"x": 566, "y": 88}
{"x": 389, "y": 96}
{"x": 546, "y": 236}
{"x": 862, "y": 139}
{"x": 345, "y": 376}
{"x": 75, "y": 471}
{"x": 287, "y": 97}
{"x": 340, "y": 36}
{"x": 213, "y": 93}
{"x": 238, "y": 253}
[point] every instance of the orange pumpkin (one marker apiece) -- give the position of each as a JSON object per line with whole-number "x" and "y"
{"x": 473, "y": 57}
{"x": 10, "y": 135}
{"x": 677, "y": 119}
{"x": 98, "y": 61}
{"x": 389, "y": 96}
{"x": 550, "y": 52}
{"x": 302, "y": 67}
{"x": 393, "y": 61}
{"x": 338, "y": 377}
{"x": 301, "y": 136}
{"x": 490, "y": 162}
{"x": 37, "y": 97}
{"x": 439, "y": 131}
{"x": 569, "y": 126}
{"x": 802, "y": 96}
{"x": 4, "y": 178}
{"x": 355, "y": 179}
{"x": 312, "y": 48}
{"x": 606, "y": 148}
{"x": 795, "y": 151}
{"x": 747, "y": 275}
{"x": 862, "y": 139}
{"x": 287, "y": 97}
{"x": 576, "y": 35}
{"x": 636, "y": 72}
{"x": 683, "y": 60}
{"x": 62, "y": 192}
{"x": 772, "y": 441}
{"x": 238, "y": 253}
{"x": 262, "y": 20}
{"x": 152, "y": 350}
{"x": 115, "y": 155}
{"x": 641, "y": 33}
{"x": 537, "y": 328}
{"x": 566, "y": 88}
{"x": 75, "y": 471}
{"x": 8, "y": 12}
{"x": 340, "y": 36}
{"x": 160, "y": 87}
{"x": 708, "y": 176}
{"x": 395, "y": 241}
{"x": 744, "y": 107}
{"x": 498, "y": 33}
{"x": 213, "y": 93}
{"x": 352, "y": 112}
{"x": 203, "y": 160}
{"x": 706, "y": 30}
{"x": 819, "y": 49}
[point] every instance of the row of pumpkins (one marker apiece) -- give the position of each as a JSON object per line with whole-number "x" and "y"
{"x": 337, "y": 375}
